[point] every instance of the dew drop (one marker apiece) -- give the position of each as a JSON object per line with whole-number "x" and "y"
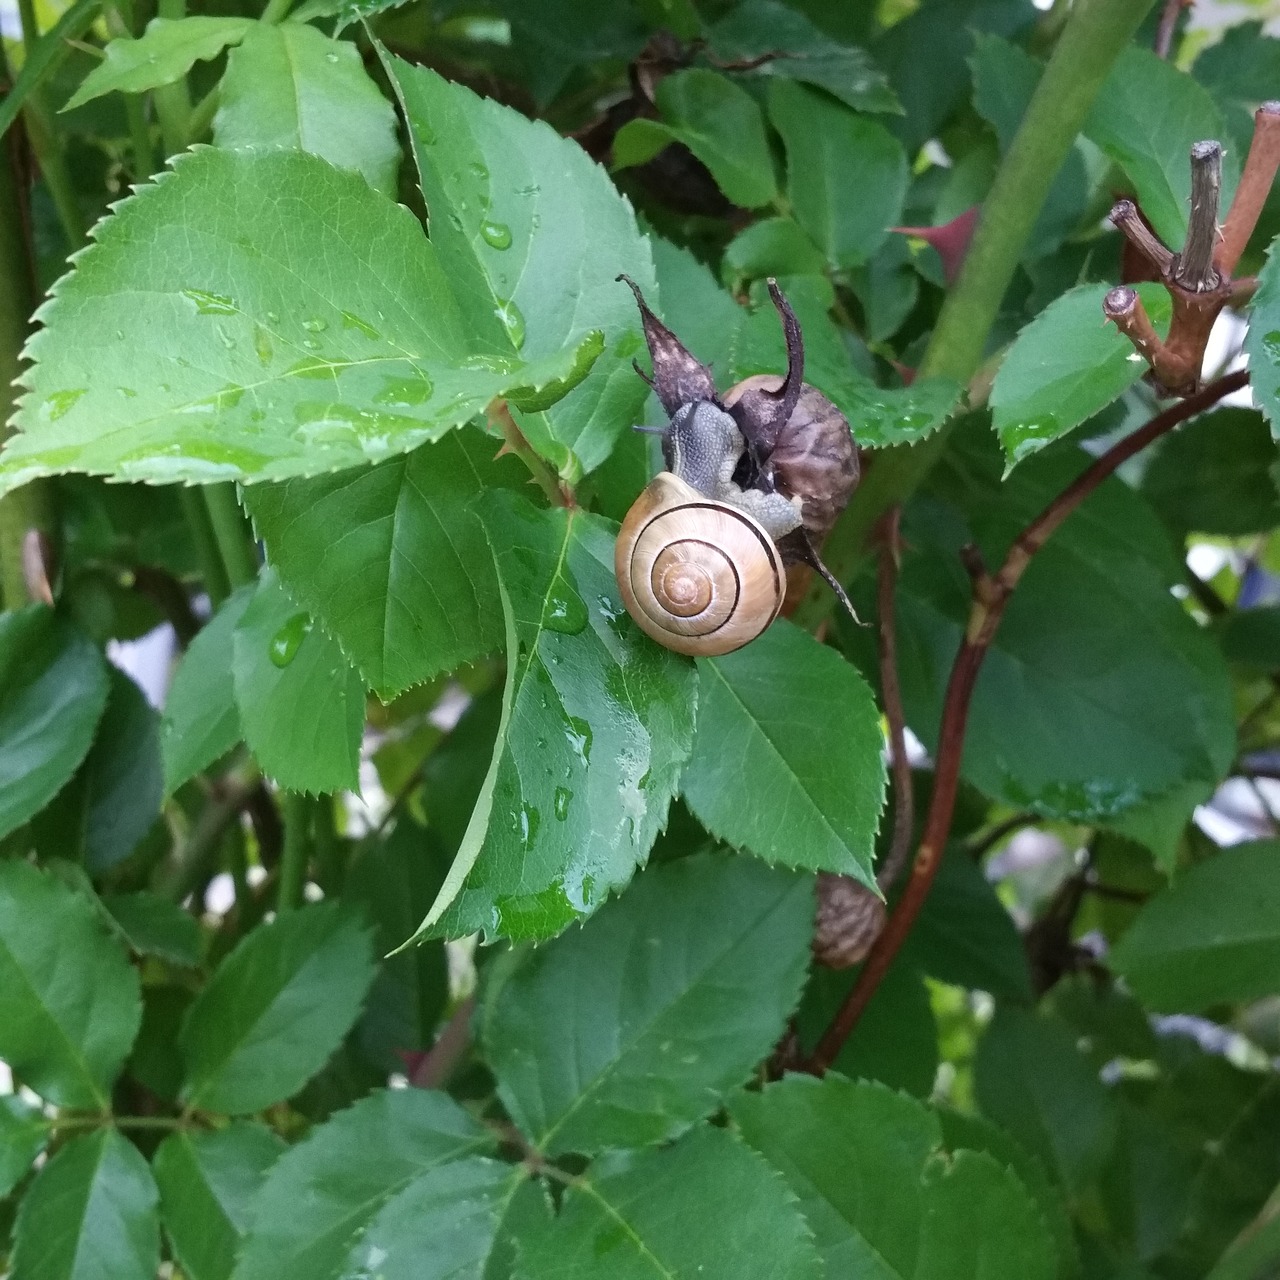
{"x": 497, "y": 235}
{"x": 331, "y": 57}
{"x": 288, "y": 640}
{"x": 262, "y": 344}
{"x": 563, "y": 797}
{"x": 352, "y": 321}
{"x": 578, "y": 735}
{"x": 565, "y": 611}
{"x": 210, "y": 304}
{"x": 404, "y": 393}
{"x": 60, "y": 403}
{"x": 512, "y": 321}
{"x": 311, "y": 344}
{"x": 315, "y": 325}
{"x": 479, "y": 171}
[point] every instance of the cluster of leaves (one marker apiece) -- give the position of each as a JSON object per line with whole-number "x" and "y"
{"x": 263, "y": 407}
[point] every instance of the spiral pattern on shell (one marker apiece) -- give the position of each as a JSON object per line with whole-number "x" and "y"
{"x": 700, "y": 577}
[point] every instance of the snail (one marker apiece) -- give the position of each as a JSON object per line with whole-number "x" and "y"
{"x": 754, "y": 481}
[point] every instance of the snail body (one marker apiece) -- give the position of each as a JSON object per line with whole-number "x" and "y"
{"x": 754, "y": 481}
{"x": 701, "y": 577}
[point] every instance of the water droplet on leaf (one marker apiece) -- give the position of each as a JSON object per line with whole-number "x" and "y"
{"x": 497, "y": 235}
{"x": 288, "y": 640}
{"x": 512, "y": 321}
{"x": 210, "y": 304}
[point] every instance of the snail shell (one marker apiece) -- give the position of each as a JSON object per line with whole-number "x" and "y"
{"x": 814, "y": 456}
{"x": 700, "y": 577}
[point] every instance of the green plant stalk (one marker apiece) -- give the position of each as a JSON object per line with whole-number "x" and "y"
{"x": 122, "y": 21}
{"x": 1092, "y": 39}
{"x": 297, "y": 850}
{"x": 45, "y": 142}
{"x": 231, "y": 532}
{"x": 201, "y": 528}
{"x": 30, "y": 507}
{"x": 173, "y": 102}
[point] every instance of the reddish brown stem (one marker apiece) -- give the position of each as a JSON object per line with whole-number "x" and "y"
{"x": 991, "y": 594}
{"x": 1168, "y": 24}
{"x": 1255, "y": 185}
{"x": 891, "y": 696}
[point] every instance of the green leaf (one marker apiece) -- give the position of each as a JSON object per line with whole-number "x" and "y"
{"x": 1241, "y": 67}
{"x": 623, "y": 1033}
{"x": 292, "y": 87}
{"x": 53, "y": 687}
{"x": 275, "y": 1010}
{"x": 965, "y": 935}
{"x": 1099, "y": 692}
{"x": 322, "y": 1194}
{"x": 771, "y": 247}
{"x": 394, "y": 881}
{"x": 89, "y": 1215}
{"x": 1145, "y": 119}
{"x": 511, "y": 203}
{"x": 896, "y": 1039}
{"x": 347, "y": 12}
{"x": 41, "y": 62}
{"x": 1030, "y": 1079}
{"x": 154, "y": 926}
{"x": 23, "y": 1134}
{"x": 1262, "y": 341}
{"x": 787, "y": 758}
{"x": 444, "y": 1225}
{"x": 846, "y": 175}
{"x": 69, "y": 1000}
{"x": 164, "y": 54}
{"x": 1251, "y": 637}
{"x": 854, "y": 1155}
{"x": 209, "y": 1184}
{"x": 1212, "y": 936}
{"x": 301, "y": 703}
{"x": 200, "y": 721}
{"x": 596, "y": 719}
{"x": 719, "y": 122}
{"x": 1064, "y": 367}
{"x": 707, "y": 1208}
{"x": 1212, "y": 475}
{"x": 800, "y": 51}
{"x": 974, "y": 1133}
{"x": 392, "y": 559}
{"x": 121, "y": 783}
{"x": 981, "y": 1224}
{"x": 295, "y": 322}
{"x": 1255, "y": 1253}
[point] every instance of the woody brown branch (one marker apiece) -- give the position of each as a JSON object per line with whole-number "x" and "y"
{"x": 850, "y": 916}
{"x": 991, "y": 595}
{"x": 1198, "y": 279}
